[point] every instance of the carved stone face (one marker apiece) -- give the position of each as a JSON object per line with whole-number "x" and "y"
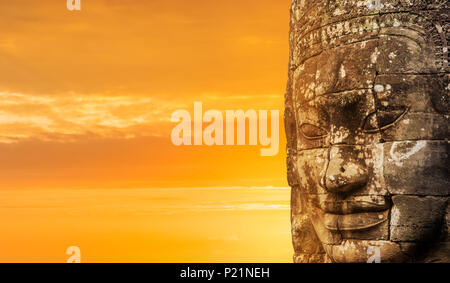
{"x": 367, "y": 121}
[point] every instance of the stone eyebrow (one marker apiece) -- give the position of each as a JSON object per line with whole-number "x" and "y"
{"x": 384, "y": 127}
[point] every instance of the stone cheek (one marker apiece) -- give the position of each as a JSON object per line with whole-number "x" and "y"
{"x": 311, "y": 169}
{"x": 417, "y": 218}
{"x": 307, "y": 246}
{"x": 419, "y": 168}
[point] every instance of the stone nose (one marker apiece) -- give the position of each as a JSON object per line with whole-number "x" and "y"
{"x": 345, "y": 172}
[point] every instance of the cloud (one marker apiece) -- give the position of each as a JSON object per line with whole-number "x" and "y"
{"x": 28, "y": 116}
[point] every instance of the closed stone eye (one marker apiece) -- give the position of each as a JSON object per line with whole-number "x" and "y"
{"x": 382, "y": 120}
{"x": 313, "y": 132}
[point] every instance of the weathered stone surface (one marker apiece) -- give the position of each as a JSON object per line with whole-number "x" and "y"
{"x": 446, "y": 226}
{"x": 403, "y": 51}
{"x": 311, "y": 258}
{"x": 367, "y": 126}
{"x": 417, "y": 218}
{"x": 389, "y": 251}
{"x": 417, "y": 168}
{"x": 341, "y": 122}
{"x": 414, "y": 126}
{"x": 303, "y": 233}
{"x": 291, "y": 142}
{"x": 420, "y": 93}
{"x": 439, "y": 253}
{"x": 307, "y": 246}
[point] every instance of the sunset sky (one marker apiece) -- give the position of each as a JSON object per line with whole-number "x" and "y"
{"x": 85, "y": 104}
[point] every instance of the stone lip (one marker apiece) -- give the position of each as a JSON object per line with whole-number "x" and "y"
{"x": 353, "y": 221}
{"x": 358, "y": 204}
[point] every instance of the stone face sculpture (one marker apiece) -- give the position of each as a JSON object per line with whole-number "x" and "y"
{"x": 367, "y": 124}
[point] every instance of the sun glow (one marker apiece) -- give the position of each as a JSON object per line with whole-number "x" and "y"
{"x": 86, "y": 99}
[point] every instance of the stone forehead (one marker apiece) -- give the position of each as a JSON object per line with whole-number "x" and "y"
{"x": 320, "y": 12}
{"x": 317, "y": 26}
{"x": 400, "y": 54}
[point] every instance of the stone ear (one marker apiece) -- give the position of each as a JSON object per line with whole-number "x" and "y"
{"x": 291, "y": 146}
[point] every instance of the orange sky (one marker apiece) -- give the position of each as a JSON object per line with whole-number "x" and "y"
{"x": 86, "y": 97}
{"x": 85, "y": 152}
